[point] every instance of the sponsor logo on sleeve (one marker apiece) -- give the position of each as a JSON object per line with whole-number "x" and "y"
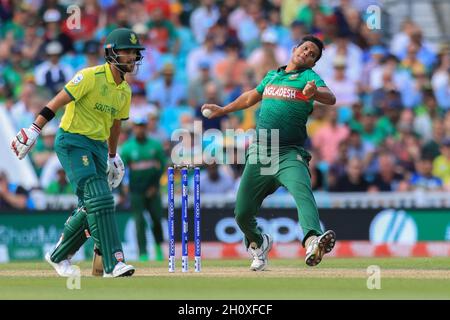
{"x": 78, "y": 77}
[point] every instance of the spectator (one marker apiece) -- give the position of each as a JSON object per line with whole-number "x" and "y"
{"x": 309, "y": 10}
{"x": 60, "y": 185}
{"x": 14, "y": 29}
{"x": 431, "y": 149}
{"x": 211, "y": 96}
{"x": 31, "y": 43}
{"x": 317, "y": 177}
{"x": 424, "y": 53}
{"x": 425, "y": 115}
{"x": 44, "y": 148}
{"x": 410, "y": 62}
{"x": 166, "y": 92}
{"x": 357, "y": 148}
{"x": 153, "y": 60}
{"x": 12, "y": 196}
{"x": 15, "y": 71}
{"x": 318, "y": 118}
{"x": 93, "y": 51}
{"x": 344, "y": 89}
{"x": 376, "y": 56}
{"x": 441, "y": 79}
{"x": 326, "y": 140}
{"x": 207, "y": 53}
{"x": 342, "y": 47}
{"x": 423, "y": 178}
{"x": 401, "y": 39}
{"x": 441, "y": 164}
{"x": 222, "y": 33}
{"x": 367, "y": 129}
{"x": 140, "y": 107}
{"x": 155, "y": 131}
{"x": 197, "y": 85}
{"x": 232, "y": 69}
{"x": 269, "y": 56}
{"x": 297, "y": 32}
{"x": 275, "y": 25}
{"x": 246, "y": 25}
{"x": 20, "y": 109}
{"x": 215, "y": 180}
{"x": 52, "y": 73}
{"x": 353, "y": 180}
{"x": 406, "y": 146}
{"x": 339, "y": 167}
{"x": 53, "y": 32}
{"x": 387, "y": 179}
{"x": 203, "y": 18}
{"x": 162, "y": 33}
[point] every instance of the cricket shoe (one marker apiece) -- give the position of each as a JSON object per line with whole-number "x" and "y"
{"x": 319, "y": 246}
{"x": 63, "y": 268}
{"x": 260, "y": 255}
{"x": 120, "y": 270}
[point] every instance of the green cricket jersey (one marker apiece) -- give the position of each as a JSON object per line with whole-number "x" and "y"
{"x": 283, "y": 105}
{"x": 146, "y": 161}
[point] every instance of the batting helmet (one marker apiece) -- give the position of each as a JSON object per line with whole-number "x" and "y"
{"x": 118, "y": 39}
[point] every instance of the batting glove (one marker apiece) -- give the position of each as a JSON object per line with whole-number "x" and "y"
{"x": 115, "y": 170}
{"x": 24, "y": 141}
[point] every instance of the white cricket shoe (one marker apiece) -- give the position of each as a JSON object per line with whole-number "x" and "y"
{"x": 120, "y": 270}
{"x": 260, "y": 255}
{"x": 319, "y": 246}
{"x": 63, "y": 268}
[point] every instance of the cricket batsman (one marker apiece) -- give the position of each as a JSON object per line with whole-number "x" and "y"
{"x": 97, "y": 99}
{"x": 287, "y": 96}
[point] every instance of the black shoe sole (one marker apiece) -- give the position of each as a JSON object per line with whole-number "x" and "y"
{"x": 328, "y": 241}
{"x": 326, "y": 245}
{"x": 129, "y": 273}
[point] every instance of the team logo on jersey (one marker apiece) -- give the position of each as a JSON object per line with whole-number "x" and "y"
{"x": 119, "y": 256}
{"x": 133, "y": 38}
{"x": 294, "y": 76}
{"x": 78, "y": 77}
{"x": 85, "y": 160}
{"x": 104, "y": 90}
{"x": 283, "y": 92}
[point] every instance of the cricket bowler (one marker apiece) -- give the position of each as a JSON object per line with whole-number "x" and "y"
{"x": 97, "y": 99}
{"x": 287, "y": 96}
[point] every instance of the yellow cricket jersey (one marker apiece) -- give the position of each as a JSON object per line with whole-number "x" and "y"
{"x": 96, "y": 102}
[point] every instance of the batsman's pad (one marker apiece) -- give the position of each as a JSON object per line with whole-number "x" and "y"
{"x": 99, "y": 204}
{"x": 74, "y": 236}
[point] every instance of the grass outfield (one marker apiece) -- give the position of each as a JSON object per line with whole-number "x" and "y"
{"x": 401, "y": 278}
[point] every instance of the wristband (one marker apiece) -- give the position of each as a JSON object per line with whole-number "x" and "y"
{"x": 35, "y": 127}
{"x": 47, "y": 113}
{"x": 112, "y": 155}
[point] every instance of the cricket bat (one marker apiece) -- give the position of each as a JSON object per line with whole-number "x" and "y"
{"x": 97, "y": 264}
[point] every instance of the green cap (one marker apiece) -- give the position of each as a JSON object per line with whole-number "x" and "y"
{"x": 123, "y": 38}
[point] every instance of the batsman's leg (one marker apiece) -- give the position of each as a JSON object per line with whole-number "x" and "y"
{"x": 103, "y": 226}
{"x": 73, "y": 237}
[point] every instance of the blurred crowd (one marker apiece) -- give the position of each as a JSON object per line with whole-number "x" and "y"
{"x": 389, "y": 130}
